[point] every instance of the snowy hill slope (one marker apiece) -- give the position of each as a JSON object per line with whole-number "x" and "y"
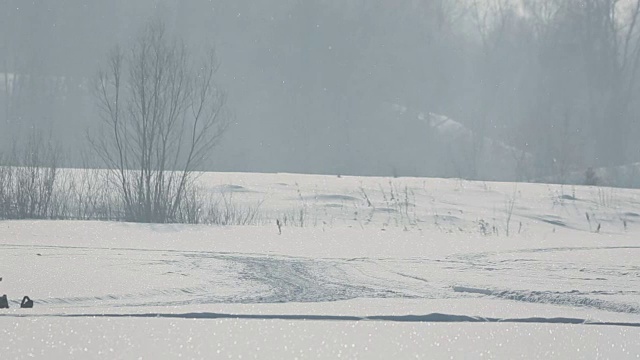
{"x": 449, "y": 148}
{"x": 365, "y": 267}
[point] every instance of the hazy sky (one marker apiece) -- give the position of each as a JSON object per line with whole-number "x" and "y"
{"x": 339, "y": 86}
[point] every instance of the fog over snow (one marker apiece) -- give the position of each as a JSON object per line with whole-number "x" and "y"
{"x": 320, "y": 179}
{"x": 314, "y": 86}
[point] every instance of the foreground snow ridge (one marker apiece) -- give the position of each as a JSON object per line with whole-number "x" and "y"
{"x": 428, "y": 318}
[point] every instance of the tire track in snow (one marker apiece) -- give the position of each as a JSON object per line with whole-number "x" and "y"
{"x": 260, "y": 278}
{"x": 554, "y": 298}
{"x": 303, "y": 280}
{"x": 610, "y": 280}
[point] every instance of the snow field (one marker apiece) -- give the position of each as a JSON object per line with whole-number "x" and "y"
{"x": 379, "y": 268}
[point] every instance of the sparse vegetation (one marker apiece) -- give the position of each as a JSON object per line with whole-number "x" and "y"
{"x": 28, "y": 180}
{"x": 509, "y": 206}
{"x": 33, "y": 186}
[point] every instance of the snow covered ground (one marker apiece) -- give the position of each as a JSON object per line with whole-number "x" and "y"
{"x": 365, "y": 268}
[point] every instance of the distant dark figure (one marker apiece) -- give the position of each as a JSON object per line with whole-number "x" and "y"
{"x": 26, "y": 303}
{"x": 4, "y": 303}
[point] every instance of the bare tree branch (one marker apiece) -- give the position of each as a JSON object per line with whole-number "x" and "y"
{"x": 162, "y": 114}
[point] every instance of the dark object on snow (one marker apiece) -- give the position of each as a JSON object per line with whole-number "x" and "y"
{"x": 4, "y": 303}
{"x": 590, "y": 177}
{"x": 26, "y": 303}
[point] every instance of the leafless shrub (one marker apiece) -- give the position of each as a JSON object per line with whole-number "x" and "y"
{"x": 162, "y": 114}
{"x": 222, "y": 210}
{"x": 509, "y": 207}
{"x": 27, "y": 179}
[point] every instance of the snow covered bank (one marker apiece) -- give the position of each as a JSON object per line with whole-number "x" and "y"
{"x": 385, "y": 267}
{"x": 83, "y": 338}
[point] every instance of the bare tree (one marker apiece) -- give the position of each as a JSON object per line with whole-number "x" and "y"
{"x": 610, "y": 43}
{"x": 162, "y": 114}
{"x": 492, "y": 20}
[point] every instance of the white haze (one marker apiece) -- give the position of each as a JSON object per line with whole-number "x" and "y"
{"x": 346, "y": 87}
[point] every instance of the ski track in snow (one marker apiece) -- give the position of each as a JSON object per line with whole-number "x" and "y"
{"x": 259, "y": 278}
{"x": 594, "y": 281}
